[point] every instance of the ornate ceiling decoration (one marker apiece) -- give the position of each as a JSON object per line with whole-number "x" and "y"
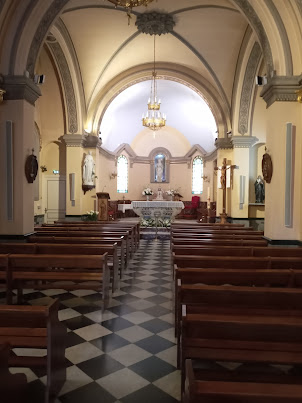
{"x": 155, "y": 23}
{"x": 130, "y": 3}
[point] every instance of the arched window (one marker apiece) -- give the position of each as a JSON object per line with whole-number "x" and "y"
{"x": 197, "y": 181}
{"x": 122, "y": 174}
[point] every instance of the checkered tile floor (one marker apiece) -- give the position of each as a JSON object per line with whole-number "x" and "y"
{"x": 124, "y": 354}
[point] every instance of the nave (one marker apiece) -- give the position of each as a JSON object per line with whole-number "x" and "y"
{"x": 126, "y": 353}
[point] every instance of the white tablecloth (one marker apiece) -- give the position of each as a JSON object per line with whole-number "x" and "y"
{"x": 124, "y": 207}
{"x": 163, "y": 209}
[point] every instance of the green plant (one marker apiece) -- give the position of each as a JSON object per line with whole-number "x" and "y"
{"x": 90, "y": 216}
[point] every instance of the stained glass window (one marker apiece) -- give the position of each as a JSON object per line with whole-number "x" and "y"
{"x": 197, "y": 181}
{"x": 122, "y": 174}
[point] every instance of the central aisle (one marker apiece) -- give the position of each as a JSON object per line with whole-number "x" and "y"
{"x": 126, "y": 354}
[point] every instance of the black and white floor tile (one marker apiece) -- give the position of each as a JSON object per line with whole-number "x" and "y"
{"x": 126, "y": 353}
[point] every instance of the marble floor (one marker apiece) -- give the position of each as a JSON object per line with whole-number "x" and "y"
{"x": 124, "y": 354}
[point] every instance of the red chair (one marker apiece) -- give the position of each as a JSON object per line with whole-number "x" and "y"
{"x": 190, "y": 210}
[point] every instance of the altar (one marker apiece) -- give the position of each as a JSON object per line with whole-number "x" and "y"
{"x": 157, "y": 209}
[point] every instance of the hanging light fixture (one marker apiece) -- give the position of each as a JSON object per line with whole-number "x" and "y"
{"x": 153, "y": 119}
{"x": 129, "y": 4}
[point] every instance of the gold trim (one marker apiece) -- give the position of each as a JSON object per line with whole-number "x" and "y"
{"x": 299, "y": 96}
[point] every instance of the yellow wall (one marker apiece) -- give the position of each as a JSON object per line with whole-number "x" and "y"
{"x": 277, "y": 116}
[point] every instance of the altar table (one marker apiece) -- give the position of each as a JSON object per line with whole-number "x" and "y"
{"x": 124, "y": 207}
{"x": 162, "y": 209}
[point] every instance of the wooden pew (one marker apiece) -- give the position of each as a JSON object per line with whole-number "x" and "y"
{"x": 79, "y": 232}
{"x": 209, "y": 387}
{"x": 120, "y": 241}
{"x": 3, "y": 270}
{"x": 93, "y": 234}
{"x": 110, "y": 224}
{"x": 239, "y": 338}
{"x": 51, "y": 271}
{"x": 12, "y": 387}
{"x": 36, "y": 327}
{"x": 224, "y": 231}
{"x": 218, "y": 242}
{"x": 69, "y": 249}
{"x": 221, "y": 235}
{"x": 238, "y": 262}
{"x": 238, "y": 251}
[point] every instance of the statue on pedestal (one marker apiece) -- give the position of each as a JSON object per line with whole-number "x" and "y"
{"x": 88, "y": 170}
{"x": 159, "y": 170}
{"x": 259, "y": 190}
{"x": 159, "y": 195}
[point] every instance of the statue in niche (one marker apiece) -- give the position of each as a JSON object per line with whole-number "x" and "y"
{"x": 259, "y": 190}
{"x": 88, "y": 170}
{"x": 160, "y": 168}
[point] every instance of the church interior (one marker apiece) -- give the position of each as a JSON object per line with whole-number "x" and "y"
{"x": 168, "y": 134}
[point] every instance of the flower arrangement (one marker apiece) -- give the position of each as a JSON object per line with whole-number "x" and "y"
{"x": 90, "y": 216}
{"x": 170, "y": 192}
{"x": 147, "y": 192}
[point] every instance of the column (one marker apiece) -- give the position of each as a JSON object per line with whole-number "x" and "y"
{"x": 17, "y": 195}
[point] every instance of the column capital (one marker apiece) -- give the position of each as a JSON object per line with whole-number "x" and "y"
{"x": 243, "y": 141}
{"x": 82, "y": 140}
{"x": 282, "y": 89}
{"x": 223, "y": 143}
{"x": 20, "y": 87}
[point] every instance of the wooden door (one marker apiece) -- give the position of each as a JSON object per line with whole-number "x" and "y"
{"x": 55, "y": 198}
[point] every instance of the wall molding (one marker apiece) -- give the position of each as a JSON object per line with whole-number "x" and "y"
{"x": 20, "y": 87}
{"x": 281, "y": 89}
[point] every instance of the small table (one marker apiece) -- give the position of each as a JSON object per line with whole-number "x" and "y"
{"x": 124, "y": 207}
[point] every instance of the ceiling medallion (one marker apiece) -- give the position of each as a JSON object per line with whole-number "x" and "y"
{"x": 129, "y": 4}
{"x": 155, "y": 23}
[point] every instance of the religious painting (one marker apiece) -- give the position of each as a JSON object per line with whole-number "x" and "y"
{"x": 160, "y": 168}
{"x": 267, "y": 168}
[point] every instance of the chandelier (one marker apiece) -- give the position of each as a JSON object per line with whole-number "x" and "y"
{"x": 153, "y": 119}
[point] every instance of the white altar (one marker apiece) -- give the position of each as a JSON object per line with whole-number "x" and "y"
{"x": 160, "y": 209}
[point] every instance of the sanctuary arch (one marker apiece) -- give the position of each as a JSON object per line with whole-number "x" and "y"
{"x": 271, "y": 46}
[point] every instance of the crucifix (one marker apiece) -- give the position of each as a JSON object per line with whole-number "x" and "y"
{"x": 223, "y": 170}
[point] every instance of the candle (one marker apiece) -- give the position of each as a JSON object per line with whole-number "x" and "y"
{"x": 209, "y": 193}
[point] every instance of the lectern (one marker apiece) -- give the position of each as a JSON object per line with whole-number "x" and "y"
{"x": 103, "y": 206}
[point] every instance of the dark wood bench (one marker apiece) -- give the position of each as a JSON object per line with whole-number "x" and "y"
{"x": 120, "y": 241}
{"x": 209, "y": 387}
{"x": 86, "y": 233}
{"x": 69, "y": 249}
{"x": 53, "y": 271}
{"x": 224, "y": 232}
{"x": 213, "y": 242}
{"x": 238, "y": 251}
{"x": 12, "y": 386}
{"x": 259, "y": 339}
{"x": 218, "y": 235}
{"x": 238, "y": 262}
{"x": 31, "y": 327}
{"x": 107, "y": 224}
{"x": 3, "y": 270}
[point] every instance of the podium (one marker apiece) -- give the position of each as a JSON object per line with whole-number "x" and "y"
{"x": 103, "y": 206}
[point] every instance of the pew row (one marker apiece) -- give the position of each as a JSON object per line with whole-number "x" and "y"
{"x": 70, "y": 272}
{"x": 209, "y": 387}
{"x": 36, "y": 327}
{"x": 93, "y": 241}
{"x": 12, "y": 386}
{"x": 68, "y": 249}
{"x": 246, "y": 339}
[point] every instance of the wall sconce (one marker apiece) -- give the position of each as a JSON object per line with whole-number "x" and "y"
{"x": 205, "y": 178}
{"x": 113, "y": 175}
{"x": 43, "y": 168}
{"x": 2, "y": 92}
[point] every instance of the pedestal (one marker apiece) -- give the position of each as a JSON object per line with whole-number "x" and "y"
{"x": 103, "y": 206}
{"x": 223, "y": 218}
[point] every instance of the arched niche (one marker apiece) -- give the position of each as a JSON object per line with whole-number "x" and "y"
{"x": 160, "y": 159}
